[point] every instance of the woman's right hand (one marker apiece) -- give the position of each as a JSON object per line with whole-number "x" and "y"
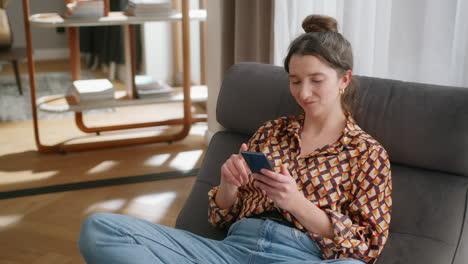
{"x": 235, "y": 171}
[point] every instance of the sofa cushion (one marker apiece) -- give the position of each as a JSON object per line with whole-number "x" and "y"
{"x": 428, "y": 204}
{"x": 194, "y": 215}
{"x": 462, "y": 250}
{"x": 252, "y": 94}
{"x": 405, "y": 248}
{"x": 420, "y": 125}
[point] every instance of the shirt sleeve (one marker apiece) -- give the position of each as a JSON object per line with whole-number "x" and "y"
{"x": 224, "y": 217}
{"x": 221, "y": 217}
{"x": 361, "y": 231}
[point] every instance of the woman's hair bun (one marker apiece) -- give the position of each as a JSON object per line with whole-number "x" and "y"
{"x": 319, "y": 23}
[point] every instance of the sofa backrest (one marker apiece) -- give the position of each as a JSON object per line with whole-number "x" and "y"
{"x": 419, "y": 124}
{"x": 423, "y": 127}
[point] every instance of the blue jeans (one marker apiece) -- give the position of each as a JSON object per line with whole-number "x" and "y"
{"x": 112, "y": 238}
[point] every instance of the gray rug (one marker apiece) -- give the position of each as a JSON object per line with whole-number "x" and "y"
{"x": 14, "y": 107}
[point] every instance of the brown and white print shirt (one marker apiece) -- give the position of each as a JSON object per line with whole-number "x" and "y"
{"x": 350, "y": 180}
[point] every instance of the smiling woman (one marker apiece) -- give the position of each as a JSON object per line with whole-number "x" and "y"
{"x": 323, "y": 57}
{"x": 318, "y": 89}
{"x": 327, "y": 198}
{"x": 323, "y": 159}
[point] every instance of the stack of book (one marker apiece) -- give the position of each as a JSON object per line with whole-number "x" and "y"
{"x": 150, "y": 8}
{"x": 92, "y": 91}
{"x": 148, "y": 87}
{"x": 84, "y": 9}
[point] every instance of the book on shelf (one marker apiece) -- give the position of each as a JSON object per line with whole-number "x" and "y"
{"x": 149, "y": 8}
{"x": 148, "y": 87}
{"x": 88, "y": 91}
{"x": 84, "y": 9}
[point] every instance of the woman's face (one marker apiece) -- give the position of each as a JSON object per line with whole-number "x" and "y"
{"x": 315, "y": 85}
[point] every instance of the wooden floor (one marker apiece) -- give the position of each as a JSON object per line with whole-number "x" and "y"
{"x": 44, "y": 228}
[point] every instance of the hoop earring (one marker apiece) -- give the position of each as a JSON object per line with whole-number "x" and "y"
{"x": 341, "y": 91}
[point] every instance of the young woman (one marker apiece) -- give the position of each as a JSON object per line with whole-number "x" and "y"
{"x": 328, "y": 200}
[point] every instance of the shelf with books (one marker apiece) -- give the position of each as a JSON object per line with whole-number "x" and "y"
{"x": 198, "y": 93}
{"x": 114, "y": 18}
{"x": 186, "y": 94}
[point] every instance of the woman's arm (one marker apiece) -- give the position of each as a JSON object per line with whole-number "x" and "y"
{"x": 282, "y": 189}
{"x": 226, "y": 196}
{"x": 312, "y": 218}
{"x": 224, "y": 204}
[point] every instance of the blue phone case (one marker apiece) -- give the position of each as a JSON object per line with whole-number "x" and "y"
{"x": 257, "y": 161}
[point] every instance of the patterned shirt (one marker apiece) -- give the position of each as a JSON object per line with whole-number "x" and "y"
{"x": 350, "y": 180}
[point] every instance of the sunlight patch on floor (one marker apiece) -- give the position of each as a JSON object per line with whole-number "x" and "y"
{"x": 157, "y": 160}
{"x": 106, "y": 206}
{"x": 102, "y": 167}
{"x": 26, "y": 176}
{"x": 186, "y": 160}
{"x": 152, "y": 207}
{"x": 8, "y": 220}
{"x": 156, "y": 198}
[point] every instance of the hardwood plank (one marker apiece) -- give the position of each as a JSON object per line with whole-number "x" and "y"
{"x": 47, "y": 227}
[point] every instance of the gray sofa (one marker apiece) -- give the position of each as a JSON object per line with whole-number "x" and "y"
{"x": 423, "y": 127}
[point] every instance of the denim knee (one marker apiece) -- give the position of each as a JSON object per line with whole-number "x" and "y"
{"x": 89, "y": 233}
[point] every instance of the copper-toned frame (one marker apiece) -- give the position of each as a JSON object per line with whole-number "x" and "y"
{"x": 186, "y": 121}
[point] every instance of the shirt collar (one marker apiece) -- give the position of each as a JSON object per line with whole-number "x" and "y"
{"x": 296, "y": 124}
{"x": 350, "y": 131}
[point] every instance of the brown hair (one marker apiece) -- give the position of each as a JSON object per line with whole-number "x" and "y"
{"x": 321, "y": 39}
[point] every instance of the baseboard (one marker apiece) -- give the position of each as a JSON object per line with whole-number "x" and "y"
{"x": 51, "y": 54}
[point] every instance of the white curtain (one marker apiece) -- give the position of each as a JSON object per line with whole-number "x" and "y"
{"x": 418, "y": 40}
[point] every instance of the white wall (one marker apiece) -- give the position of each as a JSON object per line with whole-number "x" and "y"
{"x": 213, "y": 63}
{"x": 158, "y": 46}
{"x": 47, "y": 43}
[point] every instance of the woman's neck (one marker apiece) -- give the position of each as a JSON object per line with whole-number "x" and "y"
{"x": 324, "y": 124}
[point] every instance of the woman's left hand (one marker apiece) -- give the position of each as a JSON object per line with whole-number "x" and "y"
{"x": 281, "y": 188}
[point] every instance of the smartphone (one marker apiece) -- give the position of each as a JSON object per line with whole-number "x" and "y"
{"x": 257, "y": 161}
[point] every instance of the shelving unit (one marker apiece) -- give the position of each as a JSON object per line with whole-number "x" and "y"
{"x": 198, "y": 93}
{"x": 184, "y": 94}
{"x": 122, "y": 98}
{"x": 113, "y": 19}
